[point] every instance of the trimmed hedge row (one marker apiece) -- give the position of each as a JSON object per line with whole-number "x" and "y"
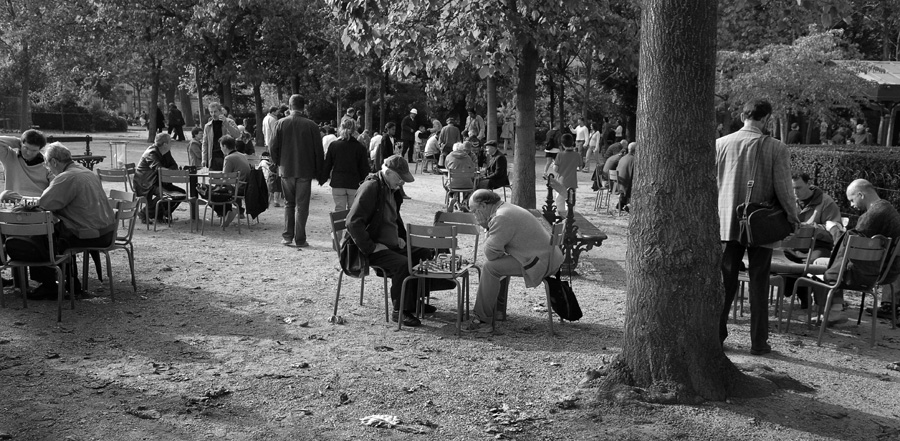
{"x": 834, "y": 167}
{"x": 78, "y": 119}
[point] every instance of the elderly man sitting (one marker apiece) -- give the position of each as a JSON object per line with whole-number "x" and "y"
{"x": 516, "y": 245}
{"x": 76, "y": 198}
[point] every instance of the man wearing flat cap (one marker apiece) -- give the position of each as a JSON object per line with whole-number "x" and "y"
{"x": 375, "y": 225}
{"x": 495, "y": 174}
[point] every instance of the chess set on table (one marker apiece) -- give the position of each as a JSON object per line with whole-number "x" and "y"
{"x": 442, "y": 263}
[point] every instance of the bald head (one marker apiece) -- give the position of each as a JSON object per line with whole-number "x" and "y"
{"x": 861, "y": 194}
{"x": 632, "y": 147}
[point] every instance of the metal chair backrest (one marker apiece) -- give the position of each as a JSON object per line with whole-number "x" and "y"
{"x": 465, "y": 223}
{"x": 461, "y": 181}
{"x": 802, "y": 239}
{"x": 338, "y": 225}
{"x": 167, "y": 176}
{"x": 613, "y": 181}
{"x": 430, "y": 236}
{"x": 221, "y": 178}
{"x": 888, "y": 263}
{"x": 29, "y": 223}
{"x": 127, "y": 211}
{"x": 863, "y": 249}
{"x": 557, "y": 234}
{"x": 114, "y": 175}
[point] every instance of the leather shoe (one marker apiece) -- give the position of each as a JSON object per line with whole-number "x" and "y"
{"x": 409, "y": 319}
{"x": 761, "y": 351}
{"x": 429, "y": 309}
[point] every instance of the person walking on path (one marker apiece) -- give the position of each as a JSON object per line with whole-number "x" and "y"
{"x": 297, "y": 151}
{"x": 176, "y": 123}
{"x": 408, "y": 134}
{"x": 738, "y": 155}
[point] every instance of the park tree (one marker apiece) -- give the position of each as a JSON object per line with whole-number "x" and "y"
{"x": 671, "y": 345}
{"x": 495, "y": 37}
{"x": 800, "y": 78}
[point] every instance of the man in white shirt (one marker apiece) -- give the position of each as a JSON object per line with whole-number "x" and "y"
{"x": 374, "y": 143}
{"x": 581, "y": 137}
{"x": 268, "y": 125}
{"x": 328, "y": 138}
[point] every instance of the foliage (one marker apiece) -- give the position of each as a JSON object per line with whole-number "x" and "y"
{"x": 796, "y": 78}
{"x": 71, "y": 117}
{"x": 833, "y": 168}
{"x": 747, "y": 25}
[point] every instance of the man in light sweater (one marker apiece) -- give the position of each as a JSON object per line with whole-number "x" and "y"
{"x": 24, "y": 165}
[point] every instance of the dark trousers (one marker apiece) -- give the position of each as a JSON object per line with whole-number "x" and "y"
{"x": 179, "y": 133}
{"x": 297, "y": 193}
{"x": 65, "y": 241}
{"x": 408, "y": 148}
{"x": 758, "y": 271}
{"x": 394, "y": 263}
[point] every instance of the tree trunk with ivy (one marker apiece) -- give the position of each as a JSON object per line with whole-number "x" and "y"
{"x": 671, "y": 347}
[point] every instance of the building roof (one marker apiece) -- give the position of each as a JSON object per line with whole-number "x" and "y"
{"x": 887, "y": 79}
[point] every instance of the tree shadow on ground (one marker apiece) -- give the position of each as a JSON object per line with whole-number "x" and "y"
{"x": 806, "y": 414}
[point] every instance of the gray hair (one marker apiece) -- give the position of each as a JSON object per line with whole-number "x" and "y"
{"x": 483, "y": 196}
{"x": 58, "y": 152}
{"x": 162, "y": 138}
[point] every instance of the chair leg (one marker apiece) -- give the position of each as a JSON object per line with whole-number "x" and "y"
{"x": 60, "y": 287}
{"x": 893, "y": 308}
{"x": 862, "y": 305}
{"x": 337, "y": 294}
{"x": 131, "y": 267}
{"x": 549, "y": 308}
{"x": 401, "y": 312}
{"x": 825, "y": 314}
{"x": 112, "y": 296}
{"x": 85, "y": 259}
{"x": 459, "y": 295}
{"x": 23, "y": 286}
{"x": 387, "y": 314}
{"x": 874, "y": 313}
{"x": 362, "y": 288}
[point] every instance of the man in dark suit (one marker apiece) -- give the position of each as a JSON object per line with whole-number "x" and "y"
{"x": 408, "y": 134}
{"x": 495, "y": 173}
{"x": 742, "y": 156}
{"x": 297, "y": 151}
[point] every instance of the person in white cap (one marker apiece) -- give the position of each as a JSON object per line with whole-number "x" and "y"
{"x": 408, "y": 134}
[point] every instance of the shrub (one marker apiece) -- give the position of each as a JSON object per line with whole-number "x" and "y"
{"x": 834, "y": 167}
{"x": 78, "y": 119}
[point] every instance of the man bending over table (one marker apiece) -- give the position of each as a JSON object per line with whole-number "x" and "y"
{"x": 516, "y": 245}
{"x": 76, "y": 198}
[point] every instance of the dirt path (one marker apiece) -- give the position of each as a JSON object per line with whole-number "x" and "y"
{"x": 227, "y": 338}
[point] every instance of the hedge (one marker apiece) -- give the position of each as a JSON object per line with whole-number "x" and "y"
{"x": 832, "y": 168}
{"x": 79, "y": 119}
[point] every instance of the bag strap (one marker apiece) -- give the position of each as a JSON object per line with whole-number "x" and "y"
{"x": 750, "y": 182}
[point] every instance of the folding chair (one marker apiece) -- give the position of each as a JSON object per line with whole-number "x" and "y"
{"x": 32, "y": 224}
{"x": 167, "y": 176}
{"x": 338, "y": 226}
{"x": 883, "y": 281}
{"x": 119, "y": 195}
{"x": 453, "y": 269}
{"x": 602, "y": 188}
{"x": 856, "y": 249}
{"x": 115, "y": 175}
{"x": 612, "y": 188}
{"x": 457, "y": 185}
{"x": 231, "y": 199}
{"x": 126, "y": 211}
{"x": 465, "y": 224}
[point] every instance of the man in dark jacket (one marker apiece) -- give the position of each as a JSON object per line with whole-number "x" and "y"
{"x": 297, "y": 151}
{"x": 408, "y": 134}
{"x": 495, "y": 174}
{"x": 176, "y": 123}
{"x": 375, "y": 225}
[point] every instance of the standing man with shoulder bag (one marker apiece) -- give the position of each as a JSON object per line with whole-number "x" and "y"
{"x": 749, "y": 161}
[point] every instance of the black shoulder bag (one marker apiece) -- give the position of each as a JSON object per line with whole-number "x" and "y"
{"x": 761, "y": 223}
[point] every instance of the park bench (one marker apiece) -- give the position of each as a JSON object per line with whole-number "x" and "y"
{"x": 581, "y": 235}
{"x": 88, "y": 159}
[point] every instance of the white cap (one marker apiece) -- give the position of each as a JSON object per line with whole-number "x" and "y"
{"x": 414, "y": 112}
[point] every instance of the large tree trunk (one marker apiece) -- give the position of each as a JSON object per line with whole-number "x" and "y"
{"x": 153, "y": 102}
{"x": 587, "y": 84}
{"x": 523, "y": 165}
{"x": 367, "y": 113}
{"x": 382, "y": 90}
{"x": 25, "y": 95}
{"x": 561, "y": 124}
{"x": 491, "y": 109}
{"x": 186, "y": 108}
{"x": 675, "y": 295}
{"x": 551, "y": 90}
{"x": 201, "y": 110}
{"x": 295, "y": 84}
{"x": 257, "y": 99}
{"x": 170, "y": 92}
{"x": 226, "y": 94}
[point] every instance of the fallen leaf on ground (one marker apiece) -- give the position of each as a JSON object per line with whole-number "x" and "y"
{"x": 387, "y": 421}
